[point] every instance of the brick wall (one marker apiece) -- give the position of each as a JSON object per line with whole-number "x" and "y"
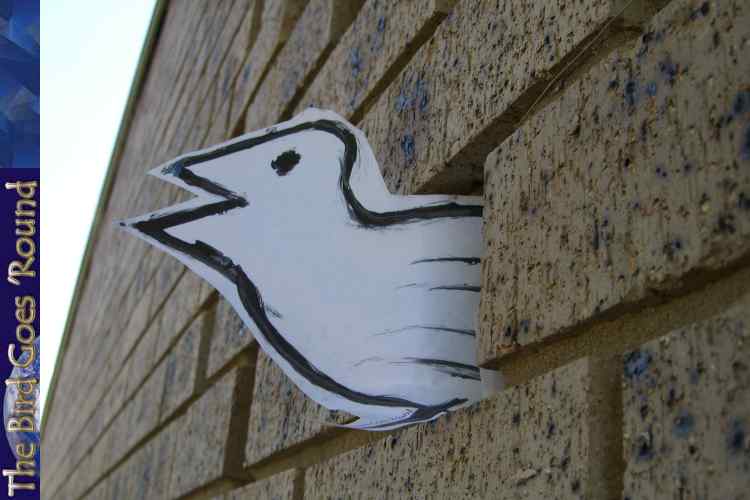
{"x": 611, "y": 141}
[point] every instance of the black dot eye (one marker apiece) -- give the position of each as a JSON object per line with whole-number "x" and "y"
{"x": 285, "y": 162}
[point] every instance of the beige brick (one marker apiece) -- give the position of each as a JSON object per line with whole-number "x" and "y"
{"x": 229, "y": 74}
{"x": 181, "y": 365}
{"x": 687, "y": 411}
{"x": 277, "y": 21}
{"x": 189, "y": 295}
{"x": 281, "y": 415}
{"x": 143, "y": 357}
{"x": 150, "y": 466}
{"x": 634, "y": 178}
{"x": 114, "y": 442}
{"x": 320, "y": 26}
{"x": 526, "y": 442}
{"x": 383, "y": 34}
{"x": 139, "y": 320}
{"x": 146, "y": 402}
{"x": 278, "y": 487}
{"x": 230, "y": 337}
{"x": 154, "y": 464}
{"x": 211, "y": 434}
{"x": 433, "y": 127}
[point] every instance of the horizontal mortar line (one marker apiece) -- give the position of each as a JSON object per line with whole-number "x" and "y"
{"x": 399, "y": 64}
{"x": 317, "y": 449}
{"x": 128, "y": 398}
{"x": 212, "y": 489}
{"x": 635, "y": 323}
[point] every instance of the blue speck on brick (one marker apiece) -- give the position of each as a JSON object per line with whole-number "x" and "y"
{"x": 701, "y": 11}
{"x": 356, "y": 61}
{"x": 631, "y": 93}
{"x": 741, "y": 102}
{"x": 420, "y": 94}
{"x": 736, "y": 437}
{"x": 669, "y": 70}
{"x": 651, "y": 89}
{"x": 402, "y": 102}
{"x": 745, "y": 148}
{"x": 381, "y": 24}
{"x": 408, "y": 147}
{"x": 683, "y": 424}
{"x": 637, "y": 363}
{"x": 644, "y": 450}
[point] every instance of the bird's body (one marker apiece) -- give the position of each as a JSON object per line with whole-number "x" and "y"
{"x": 365, "y": 299}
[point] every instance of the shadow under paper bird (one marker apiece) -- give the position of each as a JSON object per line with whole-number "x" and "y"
{"x": 365, "y": 299}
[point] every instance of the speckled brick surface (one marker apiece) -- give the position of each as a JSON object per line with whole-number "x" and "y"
{"x": 526, "y": 442}
{"x": 281, "y": 415}
{"x": 382, "y": 32}
{"x": 181, "y": 368}
{"x": 625, "y": 180}
{"x": 687, "y": 411}
{"x": 426, "y": 129}
{"x": 638, "y": 174}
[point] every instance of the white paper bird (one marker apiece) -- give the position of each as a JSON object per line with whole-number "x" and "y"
{"x": 365, "y": 299}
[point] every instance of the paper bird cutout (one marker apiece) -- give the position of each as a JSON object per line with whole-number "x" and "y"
{"x": 365, "y": 299}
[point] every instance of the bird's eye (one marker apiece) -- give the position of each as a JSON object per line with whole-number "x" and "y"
{"x": 285, "y": 162}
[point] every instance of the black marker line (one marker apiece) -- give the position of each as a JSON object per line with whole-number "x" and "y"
{"x": 439, "y": 363}
{"x": 461, "y": 288}
{"x": 460, "y": 331}
{"x": 471, "y": 261}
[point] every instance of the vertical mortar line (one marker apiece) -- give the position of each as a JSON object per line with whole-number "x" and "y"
{"x": 239, "y": 424}
{"x": 204, "y": 347}
{"x": 605, "y": 424}
{"x": 298, "y": 489}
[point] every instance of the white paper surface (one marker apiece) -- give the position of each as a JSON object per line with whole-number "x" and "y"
{"x": 365, "y": 299}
